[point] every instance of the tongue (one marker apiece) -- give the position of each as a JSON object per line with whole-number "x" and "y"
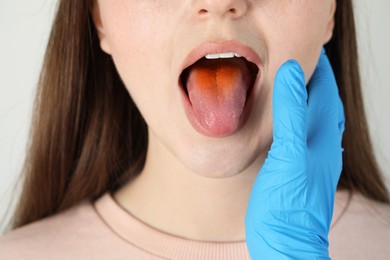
{"x": 217, "y": 90}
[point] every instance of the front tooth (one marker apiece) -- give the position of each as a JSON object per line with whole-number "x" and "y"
{"x": 237, "y": 55}
{"x": 226, "y": 55}
{"x": 212, "y": 56}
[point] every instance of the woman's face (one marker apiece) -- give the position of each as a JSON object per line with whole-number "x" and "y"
{"x": 150, "y": 40}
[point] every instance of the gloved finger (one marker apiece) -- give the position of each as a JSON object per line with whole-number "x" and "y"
{"x": 289, "y": 112}
{"x": 325, "y": 123}
{"x": 341, "y": 118}
{"x": 323, "y": 100}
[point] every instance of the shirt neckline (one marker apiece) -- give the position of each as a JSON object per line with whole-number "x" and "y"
{"x": 159, "y": 243}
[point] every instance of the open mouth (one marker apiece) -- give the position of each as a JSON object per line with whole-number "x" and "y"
{"x": 217, "y": 90}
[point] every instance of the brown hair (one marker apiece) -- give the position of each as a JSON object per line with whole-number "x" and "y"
{"x": 88, "y": 136}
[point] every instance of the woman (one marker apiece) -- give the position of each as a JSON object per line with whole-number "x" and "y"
{"x": 166, "y": 167}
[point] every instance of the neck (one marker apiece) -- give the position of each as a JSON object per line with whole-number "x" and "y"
{"x": 171, "y": 198}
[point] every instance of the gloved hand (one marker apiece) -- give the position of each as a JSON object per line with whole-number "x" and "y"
{"x": 291, "y": 203}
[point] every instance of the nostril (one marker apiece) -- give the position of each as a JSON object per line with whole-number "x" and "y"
{"x": 202, "y": 11}
{"x": 232, "y": 10}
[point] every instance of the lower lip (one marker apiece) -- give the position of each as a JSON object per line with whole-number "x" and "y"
{"x": 244, "y": 117}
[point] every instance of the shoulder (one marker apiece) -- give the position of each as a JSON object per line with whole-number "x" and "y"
{"x": 362, "y": 228}
{"x": 53, "y": 237}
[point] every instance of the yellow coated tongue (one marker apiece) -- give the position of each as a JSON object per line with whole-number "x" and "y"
{"x": 217, "y": 90}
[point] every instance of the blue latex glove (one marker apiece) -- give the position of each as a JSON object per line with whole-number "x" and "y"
{"x": 291, "y": 203}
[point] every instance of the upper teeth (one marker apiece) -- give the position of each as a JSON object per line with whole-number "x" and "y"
{"x": 222, "y": 55}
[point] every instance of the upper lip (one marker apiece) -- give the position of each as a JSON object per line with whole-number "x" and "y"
{"x": 221, "y": 47}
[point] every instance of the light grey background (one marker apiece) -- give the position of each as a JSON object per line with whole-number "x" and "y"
{"x": 24, "y": 30}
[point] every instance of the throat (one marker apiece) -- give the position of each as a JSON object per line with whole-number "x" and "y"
{"x": 170, "y": 198}
{"x": 207, "y": 216}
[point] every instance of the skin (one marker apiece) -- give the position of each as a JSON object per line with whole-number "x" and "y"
{"x": 195, "y": 186}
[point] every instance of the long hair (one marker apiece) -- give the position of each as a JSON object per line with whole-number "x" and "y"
{"x": 88, "y": 136}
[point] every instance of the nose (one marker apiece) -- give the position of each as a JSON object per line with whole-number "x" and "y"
{"x": 221, "y": 8}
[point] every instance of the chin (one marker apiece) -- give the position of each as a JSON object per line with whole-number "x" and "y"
{"x": 222, "y": 162}
{"x": 219, "y": 173}
{"x": 225, "y": 169}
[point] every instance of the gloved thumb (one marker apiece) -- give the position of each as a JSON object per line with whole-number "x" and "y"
{"x": 289, "y": 112}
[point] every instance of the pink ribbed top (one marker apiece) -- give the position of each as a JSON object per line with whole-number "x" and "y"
{"x": 104, "y": 230}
